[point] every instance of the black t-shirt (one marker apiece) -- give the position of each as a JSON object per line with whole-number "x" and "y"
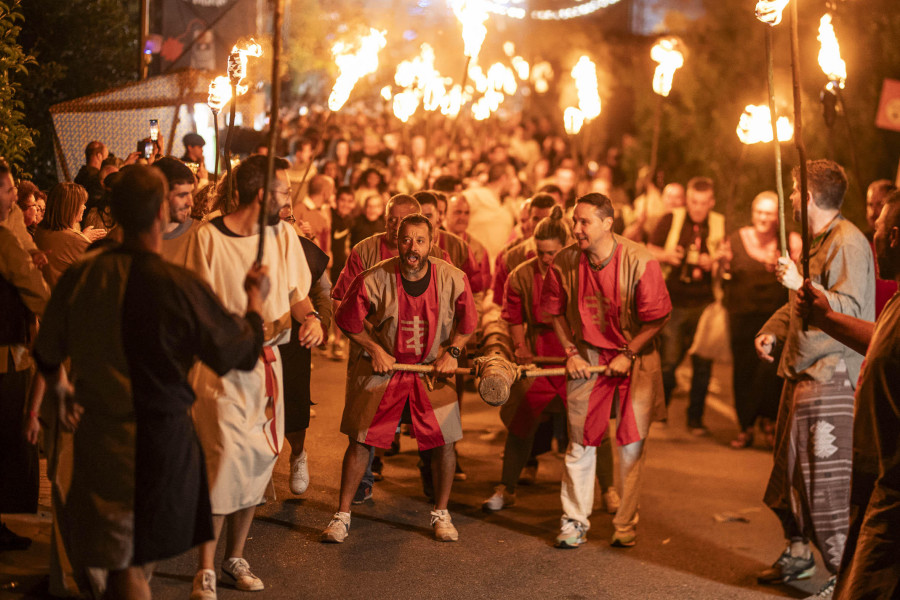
{"x": 682, "y": 292}
{"x": 417, "y": 288}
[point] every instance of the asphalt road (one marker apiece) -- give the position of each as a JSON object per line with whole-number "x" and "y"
{"x": 682, "y": 551}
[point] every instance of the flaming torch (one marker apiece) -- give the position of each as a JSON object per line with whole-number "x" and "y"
{"x": 769, "y": 12}
{"x": 277, "y": 24}
{"x": 354, "y": 65}
{"x": 585, "y": 75}
{"x": 668, "y": 52}
{"x": 471, "y": 14}
{"x": 835, "y": 70}
{"x": 237, "y": 71}
{"x": 219, "y": 96}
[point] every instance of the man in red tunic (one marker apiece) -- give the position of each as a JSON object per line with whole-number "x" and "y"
{"x": 421, "y": 311}
{"x": 608, "y": 300}
{"x": 515, "y": 254}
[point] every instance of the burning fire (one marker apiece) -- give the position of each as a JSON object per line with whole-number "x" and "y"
{"x": 585, "y": 74}
{"x": 666, "y": 52}
{"x": 472, "y": 14}
{"x": 354, "y": 64}
{"x": 573, "y": 119}
{"x": 405, "y": 105}
{"x": 755, "y": 126}
{"x": 769, "y": 11}
{"x": 830, "y": 59}
{"x": 237, "y": 60}
{"x": 219, "y": 93}
{"x": 541, "y": 75}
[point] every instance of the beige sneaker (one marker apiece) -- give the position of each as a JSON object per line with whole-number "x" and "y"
{"x": 444, "y": 531}
{"x": 338, "y": 529}
{"x": 204, "y": 587}
{"x": 238, "y": 570}
{"x": 500, "y": 500}
{"x": 299, "y": 478}
{"x": 611, "y": 500}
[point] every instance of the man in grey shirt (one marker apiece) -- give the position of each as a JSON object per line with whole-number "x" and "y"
{"x": 809, "y": 488}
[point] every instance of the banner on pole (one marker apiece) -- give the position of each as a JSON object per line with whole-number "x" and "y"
{"x": 888, "y": 116}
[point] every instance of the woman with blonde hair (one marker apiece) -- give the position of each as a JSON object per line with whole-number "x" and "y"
{"x": 59, "y": 235}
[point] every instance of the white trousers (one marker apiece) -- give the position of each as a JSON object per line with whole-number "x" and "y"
{"x": 577, "y": 491}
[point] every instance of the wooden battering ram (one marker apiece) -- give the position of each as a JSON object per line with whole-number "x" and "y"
{"x": 495, "y": 369}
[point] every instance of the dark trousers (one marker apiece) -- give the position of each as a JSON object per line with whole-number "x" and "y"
{"x": 675, "y": 340}
{"x": 757, "y": 386}
{"x": 19, "y": 463}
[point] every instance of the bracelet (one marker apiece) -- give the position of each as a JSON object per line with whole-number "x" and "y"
{"x": 627, "y": 352}
{"x": 571, "y": 351}
{"x": 33, "y": 414}
{"x": 313, "y": 313}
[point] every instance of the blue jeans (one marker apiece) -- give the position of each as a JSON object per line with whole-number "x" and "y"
{"x": 675, "y": 340}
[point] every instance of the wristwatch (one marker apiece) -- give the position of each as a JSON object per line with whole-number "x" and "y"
{"x": 454, "y": 351}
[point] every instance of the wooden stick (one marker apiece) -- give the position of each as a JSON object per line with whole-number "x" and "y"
{"x": 273, "y": 127}
{"x": 216, "y": 126}
{"x": 428, "y": 369}
{"x": 549, "y": 360}
{"x": 654, "y": 148}
{"x": 779, "y": 183}
{"x": 561, "y": 371}
{"x": 798, "y": 138}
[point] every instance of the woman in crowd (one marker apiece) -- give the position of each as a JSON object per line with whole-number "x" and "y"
{"x": 370, "y": 222}
{"x": 58, "y": 235}
{"x": 752, "y": 294}
{"x": 371, "y": 181}
{"x": 27, "y": 200}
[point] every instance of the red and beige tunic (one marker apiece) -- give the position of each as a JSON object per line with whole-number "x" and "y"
{"x": 415, "y": 330}
{"x": 605, "y": 309}
{"x": 508, "y": 260}
{"x": 461, "y": 257}
{"x": 482, "y": 260}
{"x": 366, "y": 255}
{"x": 239, "y": 417}
{"x": 529, "y": 397}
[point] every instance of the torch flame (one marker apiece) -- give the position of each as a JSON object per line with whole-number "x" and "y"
{"x": 670, "y": 59}
{"x": 830, "y": 59}
{"x": 353, "y": 65}
{"x": 769, "y": 11}
{"x": 471, "y": 14}
{"x": 509, "y": 48}
{"x": 541, "y": 75}
{"x": 237, "y": 60}
{"x": 219, "y": 93}
{"x": 755, "y": 126}
{"x": 521, "y": 66}
{"x": 405, "y": 105}
{"x": 573, "y": 119}
{"x": 585, "y": 74}
{"x": 386, "y": 93}
{"x": 452, "y": 102}
{"x": 501, "y": 78}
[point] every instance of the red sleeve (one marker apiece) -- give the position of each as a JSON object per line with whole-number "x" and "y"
{"x": 512, "y": 306}
{"x": 354, "y": 308}
{"x": 470, "y": 268}
{"x": 465, "y": 313}
{"x": 652, "y": 300}
{"x": 501, "y": 273}
{"x": 485, "y": 271}
{"x": 553, "y": 296}
{"x": 352, "y": 268}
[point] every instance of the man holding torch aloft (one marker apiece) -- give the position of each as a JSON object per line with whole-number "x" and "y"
{"x": 608, "y": 301}
{"x": 411, "y": 309}
{"x": 809, "y": 485}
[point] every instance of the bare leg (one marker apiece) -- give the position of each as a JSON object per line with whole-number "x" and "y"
{"x": 296, "y": 439}
{"x": 207, "y": 556}
{"x": 443, "y": 465}
{"x": 238, "y": 529}
{"x": 127, "y": 584}
{"x": 354, "y": 466}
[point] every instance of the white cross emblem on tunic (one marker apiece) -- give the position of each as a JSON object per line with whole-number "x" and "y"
{"x": 597, "y": 306}
{"x": 416, "y": 339}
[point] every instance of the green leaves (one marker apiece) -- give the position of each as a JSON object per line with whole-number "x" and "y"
{"x": 16, "y": 138}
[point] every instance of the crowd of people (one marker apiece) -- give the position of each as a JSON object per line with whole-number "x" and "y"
{"x": 164, "y": 368}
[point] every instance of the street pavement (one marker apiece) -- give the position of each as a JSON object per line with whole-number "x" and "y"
{"x": 683, "y": 550}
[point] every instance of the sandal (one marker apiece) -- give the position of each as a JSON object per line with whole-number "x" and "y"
{"x": 743, "y": 440}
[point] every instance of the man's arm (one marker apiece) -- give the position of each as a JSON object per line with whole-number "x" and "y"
{"x": 311, "y": 333}
{"x": 814, "y": 305}
{"x": 382, "y": 362}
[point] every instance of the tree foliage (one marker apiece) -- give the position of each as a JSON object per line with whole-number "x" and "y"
{"x": 15, "y": 135}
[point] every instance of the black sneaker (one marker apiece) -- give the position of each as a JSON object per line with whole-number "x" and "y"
{"x": 363, "y": 494}
{"x": 788, "y": 568}
{"x": 826, "y": 592}
{"x": 12, "y": 541}
{"x": 377, "y": 468}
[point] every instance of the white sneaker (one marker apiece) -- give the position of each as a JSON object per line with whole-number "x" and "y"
{"x": 444, "y": 531}
{"x": 204, "y": 587}
{"x": 338, "y": 529}
{"x": 500, "y": 500}
{"x": 611, "y": 500}
{"x": 239, "y": 570}
{"x": 299, "y": 478}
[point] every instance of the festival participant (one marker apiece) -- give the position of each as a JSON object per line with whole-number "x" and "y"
{"x": 457, "y": 249}
{"x": 491, "y": 220}
{"x": 132, "y": 325}
{"x": 240, "y": 416}
{"x": 311, "y": 209}
{"x": 608, "y": 301}
{"x": 421, "y": 311}
{"x": 808, "y": 488}
{"x": 875, "y": 197}
{"x": 513, "y": 256}
{"x": 342, "y": 220}
{"x": 23, "y": 294}
{"x": 456, "y": 220}
{"x": 684, "y": 242}
{"x": 180, "y": 201}
{"x": 869, "y": 566}
{"x": 752, "y": 294}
